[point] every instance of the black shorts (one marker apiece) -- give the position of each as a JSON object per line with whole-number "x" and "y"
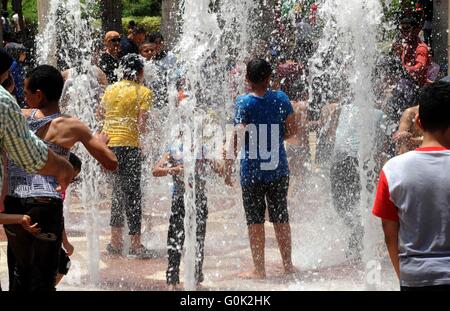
{"x": 275, "y": 193}
{"x": 64, "y": 263}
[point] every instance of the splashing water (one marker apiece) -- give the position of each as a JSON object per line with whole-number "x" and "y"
{"x": 213, "y": 40}
{"x": 67, "y": 42}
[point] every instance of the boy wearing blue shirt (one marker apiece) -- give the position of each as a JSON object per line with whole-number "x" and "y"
{"x": 266, "y": 118}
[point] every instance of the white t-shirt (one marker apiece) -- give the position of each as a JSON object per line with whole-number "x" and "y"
{"x": 414, "y": 189}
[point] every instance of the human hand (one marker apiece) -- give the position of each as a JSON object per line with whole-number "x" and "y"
{"x": 26, "y": 224}
{"x": 65, "y": 176}
{"x": 103, "y": 137}
{"x": 229, "y": 180}
{"x": 176, "y": 170}
{"x": 69, "y": 248}
{"x": 228, "y": 170}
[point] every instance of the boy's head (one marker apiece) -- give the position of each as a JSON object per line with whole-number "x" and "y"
{"x": 137, "y": 35}
{"x": 434, "y": 107}
{"x": 410, "y": 28}
{"x": 6, "y": 62}
{"x": 147, "y": 50}
{"x": 43, "y": 85}
{"x": 259, "y": 72}
{"x": 156, "y": 40}
{"x": 133, "y": 67}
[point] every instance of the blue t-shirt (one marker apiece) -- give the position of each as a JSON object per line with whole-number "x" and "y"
{"x": 19, "y": 77}
{"x": 264, "y": 156}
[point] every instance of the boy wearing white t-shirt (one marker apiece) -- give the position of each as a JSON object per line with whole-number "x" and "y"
{"x": 413, "y": 199}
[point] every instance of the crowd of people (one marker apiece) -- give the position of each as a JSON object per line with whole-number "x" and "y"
{"x": 37, "y": 164}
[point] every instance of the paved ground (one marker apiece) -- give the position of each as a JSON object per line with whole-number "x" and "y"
{"x": 318, "y": 237}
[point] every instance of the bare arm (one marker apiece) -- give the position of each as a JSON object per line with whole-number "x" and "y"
{"x": 143, "y": 122}
{"x": 292, "y": 127}
{"x": 403, "y": 137}
{"x": 390, "y": 229}
{"x": 66, "y": 244}
{"x": 234, "y": 144}
{"x": 24, "y": 220}
{"x": 161, "y": 169}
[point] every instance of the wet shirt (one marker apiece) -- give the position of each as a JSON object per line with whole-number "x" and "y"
{"x": 416, "y": 61}
{"x": 176, "y": 158}
{"x": 414, "y": 191}
{"x": 123, "y": 102}
{"x": 347, "y": 140}
{"x": 108, "y": 64}
{"x": 27, "y": 185}
{"x": 265, "y": 119}
{"x": 22, "y": 146}
{"x": 18, "y": 74}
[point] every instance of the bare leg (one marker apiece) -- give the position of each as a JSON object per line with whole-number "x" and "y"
{"x": 256, "y": 236}
{"x": 135, "y": 241}
{"x": 59, "y": 277}
{"x": 116, "y": 237}
{"x": 283, "y": 234}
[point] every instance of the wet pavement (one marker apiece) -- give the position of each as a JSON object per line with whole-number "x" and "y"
{"x": 319, "y": 255}
{"x": 318, "y": 235}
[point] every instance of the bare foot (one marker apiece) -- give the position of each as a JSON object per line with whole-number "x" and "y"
{"x": 172, "y": 287}
{"x": 253, "y": 275}
{"x": 291, "y": 270}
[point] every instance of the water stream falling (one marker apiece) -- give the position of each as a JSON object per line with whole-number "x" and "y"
{"x": 204, "y": 49}
{"x": 68, "y": 43}
{"x": 213, "y": 47}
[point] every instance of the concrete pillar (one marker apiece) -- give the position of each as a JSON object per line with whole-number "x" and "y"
{"x": 441, "y": 15}
{"x": 1, "y": 27}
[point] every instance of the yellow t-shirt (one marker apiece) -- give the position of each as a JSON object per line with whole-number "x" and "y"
{"x": 122, "y": 102}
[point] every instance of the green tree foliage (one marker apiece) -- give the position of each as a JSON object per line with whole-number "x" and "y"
{"x": 149, "y": 23}
{"x": 141, "y": 7}
{"x": 130, "y": 8}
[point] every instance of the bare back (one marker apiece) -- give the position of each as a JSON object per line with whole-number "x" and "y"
{"x": 66, "y": 131}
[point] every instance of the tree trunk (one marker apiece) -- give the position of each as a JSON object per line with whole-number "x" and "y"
{"x": 169, "y": 22}
{"x": 4, "y": 5}
{"x": 1, "y": 26}
{"x": 112, "y": 15}
{"x": 43, "y": 6}
{"x": 17, "y": 6}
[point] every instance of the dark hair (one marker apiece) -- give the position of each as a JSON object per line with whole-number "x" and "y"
{"x": 131, "y": 65}
{"x": 15, "y": 49}
{"x": 413, "y": 22}
{"x": 6, "y": 61}
{"x": 75, "y": 161}
{"x": 131, "y": 24}
{"x": 258, "y": 70}
{"x": 434, "y": 106}
{"x": 47, "y": 79}
{"x": 155, "y": 37}
{"x": 8, "y": 82}
{"x": 138, "y": 30}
